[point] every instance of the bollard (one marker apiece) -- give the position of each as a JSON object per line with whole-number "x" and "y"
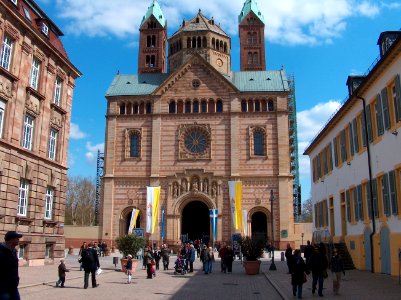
{"x": 282, "y": 256}
{"x": 115, "y": 261}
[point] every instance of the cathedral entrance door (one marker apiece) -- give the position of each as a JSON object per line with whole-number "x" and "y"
{"x": 259, "y": 227}
{"x": 195, "y": 222}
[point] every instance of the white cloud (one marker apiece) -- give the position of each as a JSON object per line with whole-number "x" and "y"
{"x": 91, "y": 154}
{"x": 288, "y": 21}
{"x": 310, "y": 122}
{"x": 76, "y": 133}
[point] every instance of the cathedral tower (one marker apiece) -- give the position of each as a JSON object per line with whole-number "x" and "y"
{"x": 252, "y": 37}
{"x": 152, "y": 41}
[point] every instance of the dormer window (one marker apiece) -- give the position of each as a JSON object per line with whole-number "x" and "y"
{"x": 15, "y": 2}
{"x": 45, "y": 29}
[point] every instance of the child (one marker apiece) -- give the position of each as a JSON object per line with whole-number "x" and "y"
{"x": 129, "y": 268}
{"x": 61, "y": 274}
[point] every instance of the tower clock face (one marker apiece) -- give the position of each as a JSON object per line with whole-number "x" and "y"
{"x": 195, "y": 142}
{"x": 219, "y": 62}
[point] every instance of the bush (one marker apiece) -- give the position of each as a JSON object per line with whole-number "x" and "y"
{"x": 251, "y": 250}
{"x": 130, "y": 244}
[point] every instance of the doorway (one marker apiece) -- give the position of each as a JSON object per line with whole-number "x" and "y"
{"x": 195, "y": 221}
{"x": 385, "y": 250}
{"x": 259, "y": 227}
{"x": 128, "y": 221}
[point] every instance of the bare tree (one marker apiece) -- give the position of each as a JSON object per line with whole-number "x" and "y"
{"x": 307, "y": 211}
{"x": 80, "y": 201}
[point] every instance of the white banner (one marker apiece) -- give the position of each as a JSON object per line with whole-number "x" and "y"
{"x": 245, "y": 222}
{"x": 152, "y": 205}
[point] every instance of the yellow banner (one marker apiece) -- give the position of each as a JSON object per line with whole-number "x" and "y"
{"x": 156, "y": 198}
{"x": 238, "y": 202}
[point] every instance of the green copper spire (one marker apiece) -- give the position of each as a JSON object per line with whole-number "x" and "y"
{"x": 155, "y": 10}
{"x": 250, "y": 5}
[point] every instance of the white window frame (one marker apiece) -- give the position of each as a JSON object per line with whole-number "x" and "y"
{"x": 29, "y": 125}
{"x": 53, "y": 136}
{"x": 45, "y": 29}
{"x": 15, "y": 2}
{"x": 6, "y": 52}
{"x": 49, "y": 251}
{"x": 49, "y": 198}
{"x": 23, "y": 198}
{"x": 58, "y": 89}
{"x": 2, "y": 114}
{"x": 35, "y": 73}
{"x": 26, "y": 13}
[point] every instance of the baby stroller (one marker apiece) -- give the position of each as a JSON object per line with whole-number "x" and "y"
{"x": 180, "y": 266}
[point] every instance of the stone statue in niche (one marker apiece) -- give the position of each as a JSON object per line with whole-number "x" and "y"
{"x": 205, "y": 186}
{"x": 214, "y": 190}
{"x": 195, "y": 185}
{"x": 184, "y": 186}
{"x": 175, "y": 190}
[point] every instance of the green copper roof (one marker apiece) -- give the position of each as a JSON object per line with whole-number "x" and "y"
{"x": 250, "y": 5}
{"x": 155, "y": 10}
{"x": 146, "y": 84}
{"x": 135, "y": 85}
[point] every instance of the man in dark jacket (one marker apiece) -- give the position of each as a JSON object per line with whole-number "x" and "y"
{"x": 90, "y": 263}
{"x": 308, "y": 251}
{"x": 9, "y": 278}
{"x": 318, "y": 264}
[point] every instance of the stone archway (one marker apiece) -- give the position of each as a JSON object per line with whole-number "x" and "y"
{"x": 125, "y": 219}
{"x": 260, "y": 223}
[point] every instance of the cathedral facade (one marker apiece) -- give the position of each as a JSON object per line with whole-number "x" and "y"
{"x": 189, "y": 124}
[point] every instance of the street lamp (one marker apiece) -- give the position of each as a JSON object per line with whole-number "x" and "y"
{"x": 272, "y": 265}
{"x": 302, "y": 237}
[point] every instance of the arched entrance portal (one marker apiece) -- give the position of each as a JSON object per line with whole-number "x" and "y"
{"x": 259, "y": 227}
{"x": 195, "y": 221}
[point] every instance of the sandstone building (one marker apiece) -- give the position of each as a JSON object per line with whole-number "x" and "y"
{"x": 195, "y": 127}
{"x": 36, "y": 88}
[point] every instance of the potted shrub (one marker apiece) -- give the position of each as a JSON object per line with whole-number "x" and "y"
{"x": 129, "y": 244}
{"x": 251, "y": 250}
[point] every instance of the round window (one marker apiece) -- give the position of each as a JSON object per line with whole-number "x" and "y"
{"x": 195, "y": 141}
{"x": 195, "y": 83}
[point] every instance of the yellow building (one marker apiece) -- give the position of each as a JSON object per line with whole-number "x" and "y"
{"x": 356, "y": 166}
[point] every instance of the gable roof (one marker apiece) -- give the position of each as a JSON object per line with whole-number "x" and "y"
{"x": 200, "y": 23}
{"x": 155, "y": 10}
{"x": 260, "y": 81}
{"x": 135, "y": 85}
{"x": 250, "y": 6}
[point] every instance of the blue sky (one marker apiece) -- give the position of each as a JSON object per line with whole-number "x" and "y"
{"x": 320, "y": 42}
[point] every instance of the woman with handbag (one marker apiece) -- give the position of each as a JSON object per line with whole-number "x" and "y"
{"x": 297, "y": 269}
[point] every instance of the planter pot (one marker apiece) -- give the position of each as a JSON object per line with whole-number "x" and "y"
{"x": 252, "y": 267}
{"x": 124, "y": 264}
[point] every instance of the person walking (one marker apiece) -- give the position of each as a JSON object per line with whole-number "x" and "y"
{"x": 81, "y": 249}
{"x": 90, "y": 262}
{"x": 298, "y": 276}
{"x": 129, "y": 268}
{"x": 165, "y": 253}
{"x": 62, "y": 269}
{"x": 208, "y": 260}
{"x": 288, "y": 256}
{"x": 318, "y": 263}
{"x": 222, "y": 253}
{"x": 157, "y": 257}
{"x": 9, "y": 278}
{"x": 228, "y": 259}
{"x": 308, "y": 252}
{"x": 337, "y": 267}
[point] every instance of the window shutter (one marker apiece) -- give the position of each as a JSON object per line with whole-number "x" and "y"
{"x": 386, "y": 115}
{"x": 348, "y": 203}
{"x": 375, "y": 203}
{"x": 363, "y": 127}
{"x": 369, "y": 200}
{"x": 385, "y": 194}
{"x": 355, "y": 130}
{"x": 331, "y": 157}
{"x": 351, "y": 139}
{"x": 393, "y": 193}
{"x": 398, "y": 97}
{"x": 356, "y": 214}
{"x": 343, "y": 146}
{"x": 360, "y": 202}
{"x": 379, "y": 115}
{"x": 335, "y": 152}
{"x": 369, "y": 123}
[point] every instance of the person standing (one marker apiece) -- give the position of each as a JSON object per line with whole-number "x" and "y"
{"x": 90, "y": 262}
{"x": 62, "y": 269}
{"x": 83, "y": 247}
{"x": 191, "y": 258}
{"x": 9, "y": 278}
{"x": 148, "y": 257}
{"x": 297, "y": 270}
{"x": 288, "y": 256}
{"x": 208, "y": 260}
{"x": 318, "y": 263}
{"x": 157, "y": 257}
{"x": 129, "y": 268}
{"x": 337, "y": 267}
{"x": 228, "y": 259}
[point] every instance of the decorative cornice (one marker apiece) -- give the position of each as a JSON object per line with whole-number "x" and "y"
{"x": 26, "y": 48}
